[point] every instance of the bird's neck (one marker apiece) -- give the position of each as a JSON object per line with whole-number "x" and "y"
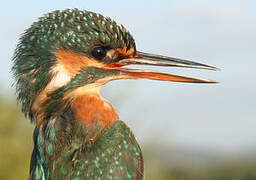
{"x": 93, "y": 111}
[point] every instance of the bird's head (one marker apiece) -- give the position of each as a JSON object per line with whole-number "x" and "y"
{"x": 69, "y": 52}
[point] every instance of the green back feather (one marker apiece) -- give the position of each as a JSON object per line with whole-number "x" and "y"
{"x": 115, "y": 154}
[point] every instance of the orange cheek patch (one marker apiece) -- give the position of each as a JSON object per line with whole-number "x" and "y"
{"x": 74, "y": 62}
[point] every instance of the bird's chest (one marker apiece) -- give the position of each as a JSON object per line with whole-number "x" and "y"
{"x": 93, "y": 112}
{"x": 88, "y": 141}
{"x": 80, "y": 125}
{"x": 76, "y": 129}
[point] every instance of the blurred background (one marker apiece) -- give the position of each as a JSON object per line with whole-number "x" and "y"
{"x": 187, "y": 131}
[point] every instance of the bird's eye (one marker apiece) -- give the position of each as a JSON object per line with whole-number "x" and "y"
{"x": 99, "y": 52}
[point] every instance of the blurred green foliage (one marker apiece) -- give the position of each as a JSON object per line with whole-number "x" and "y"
{"x": 16, "y": 141}
{"x": 160, "y": 168}
{"x": 16, "y": 147}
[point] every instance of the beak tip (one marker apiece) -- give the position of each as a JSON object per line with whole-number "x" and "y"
{"x": 214, "y": 82}
{"x": 204, "y": 81}
{"x": 215, "y": 69}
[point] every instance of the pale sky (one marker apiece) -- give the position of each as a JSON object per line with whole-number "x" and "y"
{"x": 219, "y": 117}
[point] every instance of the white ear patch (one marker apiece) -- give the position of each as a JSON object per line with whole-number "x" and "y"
{"x": 60, "y": 77}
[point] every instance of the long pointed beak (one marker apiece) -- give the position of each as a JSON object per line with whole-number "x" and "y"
{"x": 157, "y": 60}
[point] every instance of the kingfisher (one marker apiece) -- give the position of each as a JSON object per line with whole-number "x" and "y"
{"x": 60, "y": 63}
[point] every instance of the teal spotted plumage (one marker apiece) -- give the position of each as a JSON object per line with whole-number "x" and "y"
{"x": 60, "y": 64}
{"x": 58, "y": 156}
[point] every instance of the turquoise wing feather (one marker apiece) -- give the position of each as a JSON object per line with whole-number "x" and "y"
{"x": 63, "y": 151}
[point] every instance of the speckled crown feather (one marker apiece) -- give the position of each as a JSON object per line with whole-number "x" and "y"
{"x": 71, "y": 29}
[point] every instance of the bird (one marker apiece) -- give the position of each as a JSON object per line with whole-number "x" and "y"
{"x": 60, "y": 64}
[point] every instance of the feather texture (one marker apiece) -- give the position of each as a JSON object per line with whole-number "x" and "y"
{"x": 66, "y": 151}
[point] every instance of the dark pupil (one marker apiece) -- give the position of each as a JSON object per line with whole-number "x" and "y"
{"x": 99, "y": 53}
